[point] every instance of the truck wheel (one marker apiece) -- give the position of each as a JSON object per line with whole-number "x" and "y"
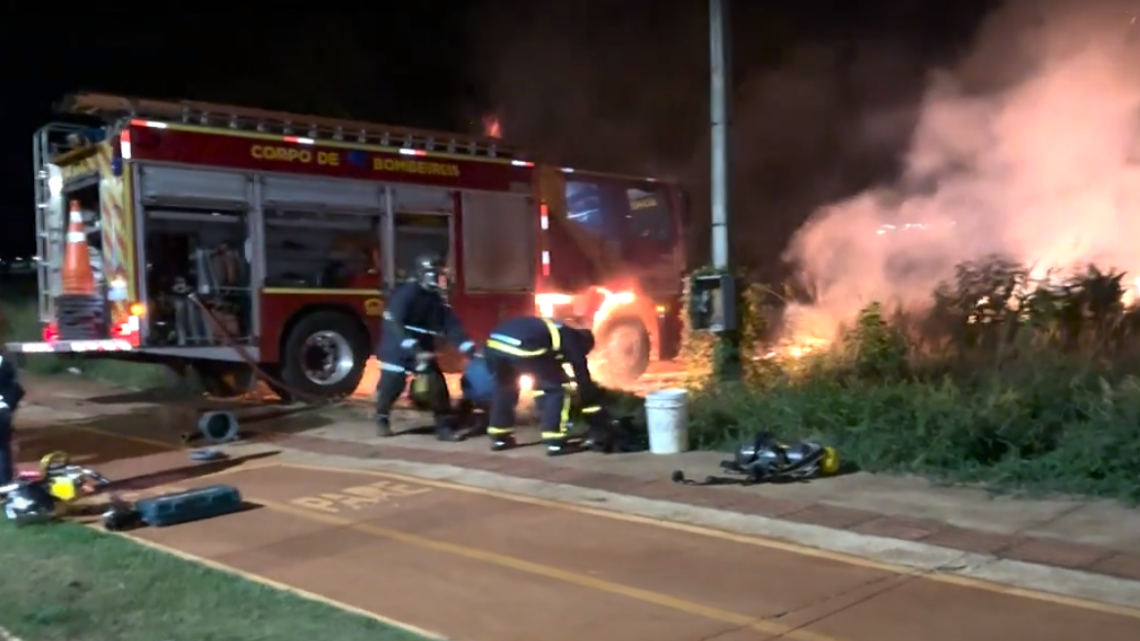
{"x": 324, "y": 356}
{"x": 225, "y": 380}
{"x": 623, "y": 346}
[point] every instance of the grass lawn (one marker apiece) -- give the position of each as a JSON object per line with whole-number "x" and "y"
{"x": 67, "y": 582}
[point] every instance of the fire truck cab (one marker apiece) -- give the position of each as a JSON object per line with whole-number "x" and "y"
{"x": 236, "y": 239}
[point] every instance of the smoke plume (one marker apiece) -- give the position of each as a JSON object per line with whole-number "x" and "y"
{"x": 1024, "y": 148}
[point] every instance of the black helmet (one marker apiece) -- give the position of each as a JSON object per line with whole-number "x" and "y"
{"x": 431, "y": 272}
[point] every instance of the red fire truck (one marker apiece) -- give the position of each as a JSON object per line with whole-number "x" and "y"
{"x": 224, "y": 237}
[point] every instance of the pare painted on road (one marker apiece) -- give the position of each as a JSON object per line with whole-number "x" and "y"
{"x": 360, "y": 496}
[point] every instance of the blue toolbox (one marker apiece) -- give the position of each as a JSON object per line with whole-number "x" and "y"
{"x": 192, "y": 505}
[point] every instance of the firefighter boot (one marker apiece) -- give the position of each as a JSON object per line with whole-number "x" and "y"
{"x": 383, "y": 426}
{"x": 599, "y": 440}
{"x": 557, "y": 443}
{"x": 446, "y": 429}
{"x": 501, "y": 438}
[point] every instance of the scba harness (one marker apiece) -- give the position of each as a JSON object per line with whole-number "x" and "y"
{"x": 764, "y": 459}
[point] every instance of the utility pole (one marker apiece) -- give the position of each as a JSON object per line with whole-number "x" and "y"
{"x": 726, "y": 359}
{"x": 721, "y": 72}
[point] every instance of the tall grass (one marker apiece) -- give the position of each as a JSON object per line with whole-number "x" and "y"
{"x": 1007, "y": 380}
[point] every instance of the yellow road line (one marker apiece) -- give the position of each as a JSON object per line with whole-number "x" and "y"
{"x": 558, "y": 574}
{"x": 759, "y": 541}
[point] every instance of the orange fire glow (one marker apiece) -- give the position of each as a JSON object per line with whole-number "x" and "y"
{"x": 611, "y": 301}
{"x": 492, "y": 126}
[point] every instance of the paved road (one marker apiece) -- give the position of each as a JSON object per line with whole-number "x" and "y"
{"x": 473, "y": 564}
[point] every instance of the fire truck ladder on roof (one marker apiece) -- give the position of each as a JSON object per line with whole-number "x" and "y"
{"x": 112, "y": 108}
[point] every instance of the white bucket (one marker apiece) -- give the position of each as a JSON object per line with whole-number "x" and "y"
{"x": 667, "y": 417}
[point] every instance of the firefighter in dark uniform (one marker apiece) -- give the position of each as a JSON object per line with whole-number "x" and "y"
{"x": 11, "y": 392}
{"x": 540, "y": 348}
{"x": 416, "y": 317}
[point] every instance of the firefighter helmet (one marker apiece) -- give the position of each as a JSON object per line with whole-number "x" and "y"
{"x": 431, "y": 272}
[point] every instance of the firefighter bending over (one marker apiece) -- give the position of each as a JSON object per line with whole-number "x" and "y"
{"x": 11, "y": 392}
{"x": 416, "y": 317}
{"x": 539, "y": 347}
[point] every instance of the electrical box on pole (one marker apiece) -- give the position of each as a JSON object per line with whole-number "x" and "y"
{"x": 712, "y": 303}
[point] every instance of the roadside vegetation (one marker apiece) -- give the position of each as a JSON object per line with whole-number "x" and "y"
{"x": 1007, "y": 381}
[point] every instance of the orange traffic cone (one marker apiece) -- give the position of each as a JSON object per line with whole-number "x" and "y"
{"x": 76, "y": 274}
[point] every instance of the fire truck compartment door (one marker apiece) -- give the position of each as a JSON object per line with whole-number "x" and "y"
{"x": 498, "y": 242}
{"x": 170, "y": 184}
{"x": 345, "y": 194}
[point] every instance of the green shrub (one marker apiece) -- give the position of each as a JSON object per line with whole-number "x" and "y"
{"x": 1006, "y": 380}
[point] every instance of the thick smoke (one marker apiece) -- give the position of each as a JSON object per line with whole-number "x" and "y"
{"x": 625, "y": 87}
{"x": 1024, "y": 148}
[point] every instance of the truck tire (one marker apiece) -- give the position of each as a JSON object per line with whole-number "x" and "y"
{"x": 623, "y": 344}
{"x": 324, "y": 356}
{"x": 225, "y": 380}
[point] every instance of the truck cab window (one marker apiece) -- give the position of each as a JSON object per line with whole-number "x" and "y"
{"x": 584, "y": 206}
{"x": 649, "y": 215}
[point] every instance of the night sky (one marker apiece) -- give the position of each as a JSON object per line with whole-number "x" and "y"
{"x": 608, "y": 84}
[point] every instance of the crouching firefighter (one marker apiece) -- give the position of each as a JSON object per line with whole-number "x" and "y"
{"x": 416, "y": 317}
{"x": 539, "y": 348}
{"x": 11, "y": 393}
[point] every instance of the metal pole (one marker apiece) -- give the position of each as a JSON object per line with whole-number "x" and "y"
{"x": 726, "y": 358}
{"x": 721, "y": 76}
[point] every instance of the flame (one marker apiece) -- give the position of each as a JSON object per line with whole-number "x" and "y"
{"x": 492, "y": 126}
{"x": 798, "y": 348}
{"x": 611, "y": 301}
{"x": 547, "y": 302}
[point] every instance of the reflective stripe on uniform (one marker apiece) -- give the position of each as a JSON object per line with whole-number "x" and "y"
{"x": 509, "y": 345}
{"x": 499, "y": 431}
{"x": 563, "y": 421}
